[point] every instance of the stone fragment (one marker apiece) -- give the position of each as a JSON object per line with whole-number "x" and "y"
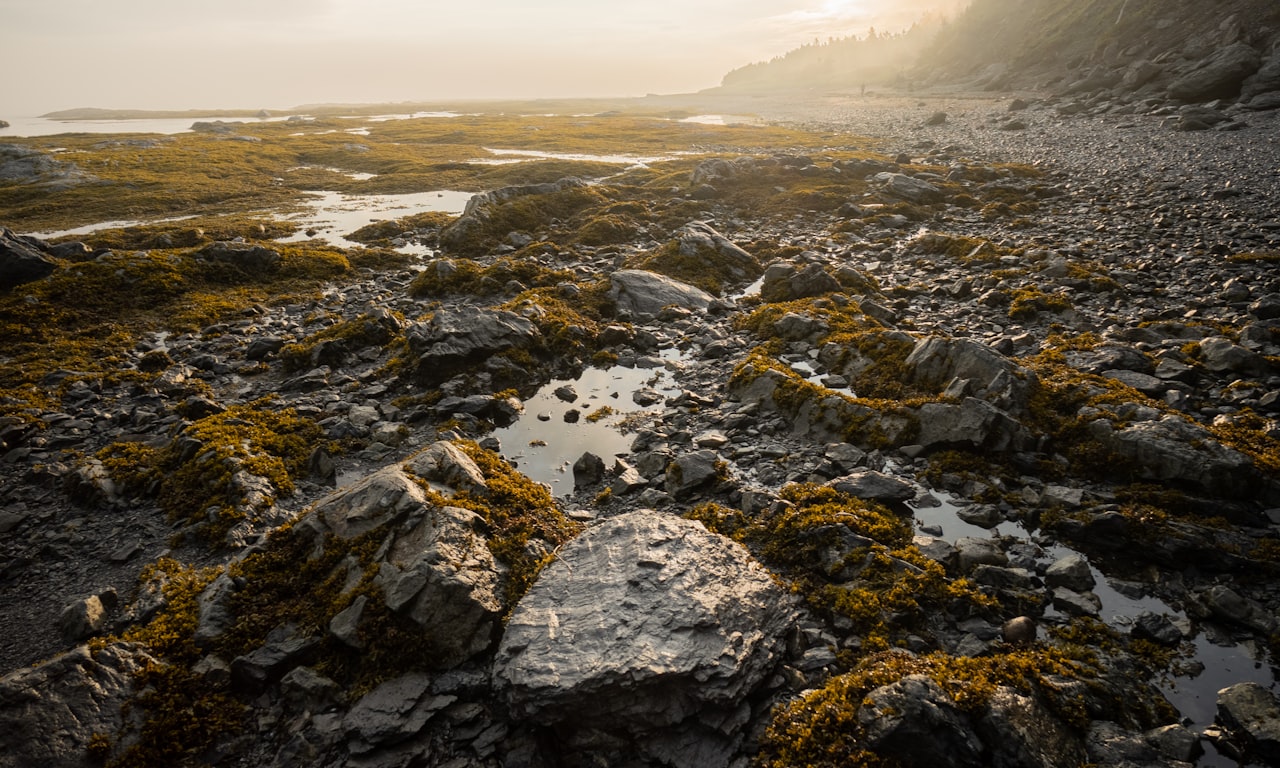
{"x": 874, "y": 486}
{"x": 393, "y": 712}
{"x": 588, "y": 470}
{"x": 1071, "y": 571}
{"x": 82, "y": 619}
{"x": 22, "y": 259}
{"x": 691, "y": 472}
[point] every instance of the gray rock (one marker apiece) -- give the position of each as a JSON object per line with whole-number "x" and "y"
{"x": 22, "y": 260}
{"x": 345, "y": 625}
{"x": 644, "y": 294}
{"x": 1265, "y": 80}
{"x": 469, "y": 229}
{"x": 308, "y": 690}
{"x": 1222, "y": 356}
{"x": 909, "y": 188}
{"x": 1266, "y": 307}
{"x": 442, "y": 576}
{"x": 627, "y": 478}
{"x": 1221, "y": 76}
{"x": 1252, "y": 714}
{"x": 981, "y": 515}
{"x": 1177, "y": 449}
{"x": 698, "y": 239}
{"x": 82, "y": 619}
{"x": 937, "y": 363}
{"x": 642, "y": 622}
{"x": 796, "y": 327}
{"x": 1147, "y": 385}
{"x": 284, "y": 647}
{"x": 914, "y": 722}
{"x": 49, "y": 713}
{"x": 452, "y": 338}
{"x": 213, "y": 610}
{"x": 1074, "y": 603}
{"x": 245, "y": 256}
{"x": 874, "y": 486}
{"x": 691, "y": 472}
{"x": 370, "y": 503}
{"x": 786, "y": 282}
{"x": 1173, "y": 745}
{"x": 973, "y": 423}
{"x": 393, "y": 712}
{"x": 588, "y": 470}
{"x": 972, "y": 552}
{"x": 1071, "y": 571}
{"x": 445, "y": 464}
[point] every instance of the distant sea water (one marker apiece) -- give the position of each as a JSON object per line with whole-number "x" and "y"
{"x": 40, "y": 126}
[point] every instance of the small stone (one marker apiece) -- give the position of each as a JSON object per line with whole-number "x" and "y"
{"x": 1019, "y": 631}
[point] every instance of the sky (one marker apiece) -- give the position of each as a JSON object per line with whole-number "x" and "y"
{"x": 251, "y": 54}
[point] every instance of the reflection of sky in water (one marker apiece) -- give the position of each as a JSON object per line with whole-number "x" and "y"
{"x": 337, "y": 214}
{"x": 565, "y": 443}
{"x": 1195, "y": 696}
{"x": 507, "y": 156}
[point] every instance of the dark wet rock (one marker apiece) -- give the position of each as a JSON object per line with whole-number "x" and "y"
{"x": 1019, "y": 731}
{"x": 981, "y": 515}
{"x": 393, "y": 712}
{"x": 786, "y": 282}
{"x": 1172, "y": 745}
{"x": 1221, "y": 76}
{"x": 244, "y": 256}
{"x": 915, "y": 722}
{"x": 645, "y": 294}
{"x": 441, "y": 575}
{"x": 588, "y": 470}
{"x": 643, "y": 623}
{"x": 874, "y": 486}
{"x": 1225, "y": 603}
{"x": 453, "y": 338}
{"x": 22, "y": 260}
{"x": 285, "y": 648}
{"x": 691, "y": 472}
{"x": 1074, "y": 603}
{"x": 1251, "y": 714}
{"x": 49, "y": 713}
{"x": 1157, "y": 629}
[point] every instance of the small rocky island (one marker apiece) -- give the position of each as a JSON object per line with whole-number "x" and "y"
{"x": 958, "y": 445}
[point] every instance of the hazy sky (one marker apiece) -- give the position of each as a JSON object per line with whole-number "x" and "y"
{"x": 170, "y": 54}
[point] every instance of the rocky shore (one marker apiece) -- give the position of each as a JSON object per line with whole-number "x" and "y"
{"x": 291, "y": 539}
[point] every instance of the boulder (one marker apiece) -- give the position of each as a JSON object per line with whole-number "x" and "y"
{"x": 644, "y": 293}
{"x": 1221, "y": 76}
{"x": 587, "y": 470}
{"x": 448, "y": 469}
{"x": 453, "y": 338}
{"x": 471, "y": 230}
{"x": 874, "y": 486}
{"x": 640, "y": 623}
{"x": 1071, "y": 571}
{"x": 691, "y": 472}
{"x": 22, "y": 260}
{"x": 973, "y": 422}
{"x": 244, "y": 256}
{"x": 962, "y": 367}
{"x": 1252, "y": 714}
{"x": 370, "y": 503}
{"x": 1222, "y": 356}
{"x": 908, "y": 188}
{"x": 442, "y": 576}
{"x": 787, "y": 282}
{"x": 914, "y": 722}
{"x": 700, "y": 240}
{"x": 1174, "y": 449}
{"x": 393, "y": 712}
{"x": 82, "y": 619}
{"x": 1020, "y": 732}
{"x": 50, "y": 713}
